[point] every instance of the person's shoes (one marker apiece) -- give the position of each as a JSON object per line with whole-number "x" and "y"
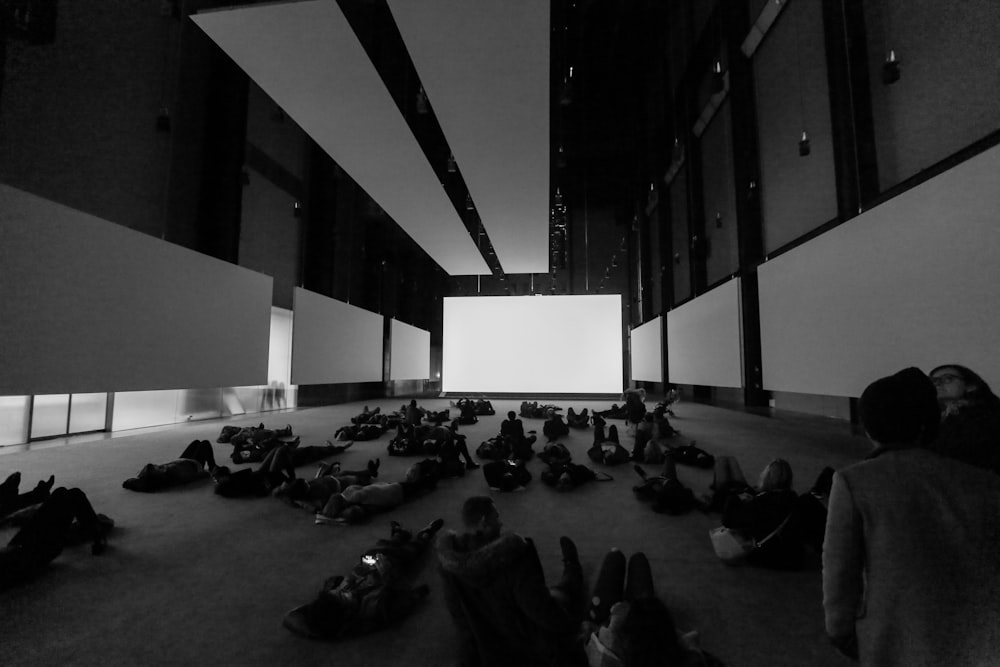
{"x": 472, "y": 465}
{"x": 569, "y": 552}
{"x": 432, "y": 528}
{"x": 324, "y": 520}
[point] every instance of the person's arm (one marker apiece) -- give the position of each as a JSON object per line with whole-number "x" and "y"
{"x": 535, "y": 601}
{"x": 843, "y": 567}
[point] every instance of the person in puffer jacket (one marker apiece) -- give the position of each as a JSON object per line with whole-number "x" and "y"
{"x": 495, "y": 591}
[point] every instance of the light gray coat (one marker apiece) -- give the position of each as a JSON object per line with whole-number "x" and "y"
{"x": 911, "y": 560}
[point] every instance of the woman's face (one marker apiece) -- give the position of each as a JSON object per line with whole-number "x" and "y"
{"x": 949, "y": 384}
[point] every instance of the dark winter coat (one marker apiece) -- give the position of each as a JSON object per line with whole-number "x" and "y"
{"x": 498, "y": 599}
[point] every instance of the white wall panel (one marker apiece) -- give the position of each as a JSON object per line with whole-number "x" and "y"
{"x": 91, "y": 306}
{"x": 334, "y": 342}
{"x": 647, "y": 351}
{"x": 704, "y": 339}
{"x": 543, "y": 344}
{"x": 410, "y": 356}
{"x": 912, "y": 282}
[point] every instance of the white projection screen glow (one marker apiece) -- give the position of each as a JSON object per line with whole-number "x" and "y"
{"x": 334, "y": 342}
{"x": 533, "y": 344}
{"x": 911, "y": 282}
{"x": 704, "y": 339}
{"x": 410, "y": 352}
{"x": 646, "y": 351}
{"x": 91, "y": 306}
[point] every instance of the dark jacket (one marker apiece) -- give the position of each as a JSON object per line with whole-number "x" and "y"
{"x": 972, "y": 435}
{"x": 502, "y": 609}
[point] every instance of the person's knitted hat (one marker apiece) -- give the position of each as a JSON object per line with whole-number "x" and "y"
{"x": 901, "y": 408}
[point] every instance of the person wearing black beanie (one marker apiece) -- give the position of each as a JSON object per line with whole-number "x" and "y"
{"x": 909, "y": 554}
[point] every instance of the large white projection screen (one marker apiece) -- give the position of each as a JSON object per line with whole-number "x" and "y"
{"x": 647, "y": 351}
{"x": 533, "y": 344}
{"x": 410, "y": 352}
{"x": 912, "y": 282}
{"x": 334, "y": 342}
{"x": 90, "y": 306}
{"x": 704, "y": 339}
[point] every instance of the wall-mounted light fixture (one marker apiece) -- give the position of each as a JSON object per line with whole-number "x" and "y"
{"x": 718, "y": 80}
{"x": 890, "y": 69}
{"x": 804, "y": 148}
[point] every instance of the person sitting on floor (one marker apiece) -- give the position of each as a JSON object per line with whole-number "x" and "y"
{"x": 375, "y": 593}
{"x": 413, "y": 414}
{"x": 554, "y": 427}
{"x": 65, "y": 517}
{"x": 195, "y": 462}
{"x": 495, "y": 592}
{"x": 665, "y": 491}
{"x": 970, "y": 417}
{"x": 12, "y": 501}
{"x": 467, "y": 412}
{"x": 626, "y": 625}
{"x": 512, "y": 431}
{"x": 757, "y": 513}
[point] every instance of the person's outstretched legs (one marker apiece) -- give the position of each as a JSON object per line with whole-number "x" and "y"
{"x": 11, "y": 502}
{"x": 278, "y": 459}
{"x": 201, "y": 451}
{"x": 639, "y": 583}
{"x": 608, "y": 588}
{"x": 569, "y": 591}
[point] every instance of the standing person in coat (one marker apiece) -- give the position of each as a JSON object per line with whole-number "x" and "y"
{"x": 910, "y": 559}
{"x": 495, "y": 591}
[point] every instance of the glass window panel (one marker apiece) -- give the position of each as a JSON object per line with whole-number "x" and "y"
{"x": 14, "y": 419}
{"x": 88, "y": 412}
{"x": 137, "y": 409}
{"x": 195, "y": 404}
{"x": 49, "y": 415}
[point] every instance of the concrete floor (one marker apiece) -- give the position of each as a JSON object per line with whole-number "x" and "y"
{"x": 194, "y": 578}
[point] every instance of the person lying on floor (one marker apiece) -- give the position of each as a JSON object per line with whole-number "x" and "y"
{"x": 533, "y": 410}
{"x": 626, "y": 625}
{"x": 665, "y": 491}
{"x": 507, "y": 475}
{"x": 195, "y": 462}
{"x": 65, "y": 517}
{"x": 276, "y": 468}
{"x": 359, "y": 432}
{"x": 575, "y": 420}
{"x": 314, "y": 495}
{"x": 356, "y": 503}
{"x": 11, "y": 500}
{"x": 607, "y": 450}
{"x": 561, "y": 473}
{"x": 437, "y": 418}
{"x": 691, "y": 454}
{"x": 614, "y": 412}
{"x": 375, "y": 593}
{"x": 367, "y": 416}
{"x": 240, "y": 435}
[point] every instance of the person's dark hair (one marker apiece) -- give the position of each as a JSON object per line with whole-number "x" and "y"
{"x": 413, "y": 402}
{"x": 512, "y": 415}
{"x": 649, "y": 638}
{"x": 977, "y": 392}
{"x": 900, "y": 408}
{"x": 474, "y": 509}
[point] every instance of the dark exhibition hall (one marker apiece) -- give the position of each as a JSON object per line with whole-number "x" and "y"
{"x": 597, "y": 333}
